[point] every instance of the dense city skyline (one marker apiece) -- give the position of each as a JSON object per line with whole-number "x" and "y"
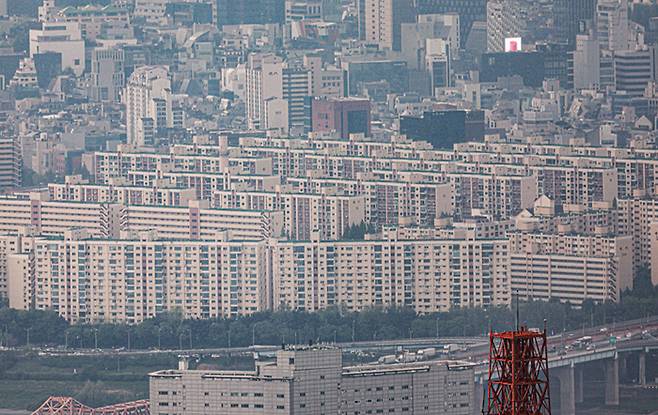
{"x": 396, "y": 178}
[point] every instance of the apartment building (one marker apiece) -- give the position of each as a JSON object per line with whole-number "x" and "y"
{"x": 636, "y": 217}
{"x": 388, "y": 202}
{"x": 163, "y": 193}
{"x": 199, "y": 221}
{"x": 427, "y": 275}
{"x": 193, "y": 221}
{"x": 329, "y": 215}
{"x": 312, "y": 380}
{"x": 140, "y": 274}
{"x": 495, "y": 196}
{"x": 49, "y": 217}
{"x": 132, "y": 279}
{"x": 11, "y": 244}
{"x": 548, "y": 218}
{"x": 112, "y": 164}
{"x": 570, "y": 268}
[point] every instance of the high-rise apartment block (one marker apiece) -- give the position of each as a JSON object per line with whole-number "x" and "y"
{"x": 426, "y": 275}
{"x": 328, "y": 216}
{"x": 130, "y": 280}
{"x": 108, "y": 280}
{"x": 194, "y": 221}
{"x": 570, "y": 268}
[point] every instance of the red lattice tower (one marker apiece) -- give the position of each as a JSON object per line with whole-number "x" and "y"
{"x": 518, "y": 373}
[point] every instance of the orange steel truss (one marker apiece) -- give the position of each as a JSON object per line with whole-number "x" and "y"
{"x": 518, "y": 373}
{"x": 66, "y": 405}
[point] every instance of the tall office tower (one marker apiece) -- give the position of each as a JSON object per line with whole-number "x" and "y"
{"x": 633, "y": 70}
{"x": 438, "y": 59}
{"x": 148, "y": 104}
{"x": 469, "y": 11}
{"x": 275, "y": 89}
{"x": 569, "y": 15}
{"x": 10, "y": 163}
{"x": 361, "y": 14}
{"x": 106, "y": 79}
{"x": 505, "y": 19}
{"x": 384, "y": 19}
{"x": 612, "y": 25}
{"x": 297, "y": 85}
{"x": 435, "y": 27}
{"x": 236, "y": 12}
{"x": 586, "y": 62}
{"x": 264, "y": 81}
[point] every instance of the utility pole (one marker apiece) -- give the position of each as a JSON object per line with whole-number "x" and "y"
{"x": 95, "y": 339}
{"x": 353, "y": 330}
{"x": 253, "y": 334}
{"x": 437, "y": 327}
{"x": 28, "y": 336}
{"x": 159, "y": 337}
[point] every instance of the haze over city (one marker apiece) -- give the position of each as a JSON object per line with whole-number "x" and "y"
{"x": 328, "y": 207}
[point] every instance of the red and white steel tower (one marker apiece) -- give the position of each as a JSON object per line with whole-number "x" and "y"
{"x": 518, "y": 373}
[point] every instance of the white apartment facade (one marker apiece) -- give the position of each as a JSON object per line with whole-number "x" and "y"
{"x": 328, "y": 215}
{"x": 570, "y": 268}
{"x": 130, "y": 280}
{"x": 426, "y": 275}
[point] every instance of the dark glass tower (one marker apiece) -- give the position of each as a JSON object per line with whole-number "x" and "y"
{"x": 569, "y": 16}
